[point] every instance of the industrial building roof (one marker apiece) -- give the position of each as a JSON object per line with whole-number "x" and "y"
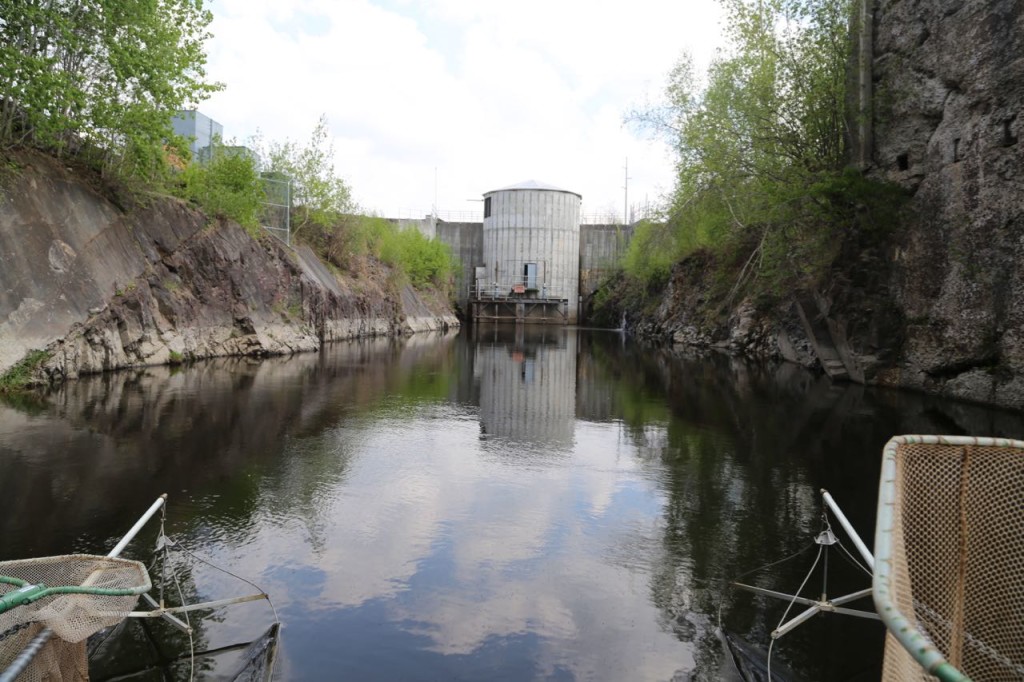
{"x": 534, "y": 184}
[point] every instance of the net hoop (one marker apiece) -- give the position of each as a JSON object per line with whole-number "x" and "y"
{"x": 903, "y": 626}
{"x": 85, "y": 592}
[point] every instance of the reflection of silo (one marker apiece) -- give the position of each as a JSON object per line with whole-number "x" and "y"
{"x": 532, "y": 238}
{"x": 528, "y": 389}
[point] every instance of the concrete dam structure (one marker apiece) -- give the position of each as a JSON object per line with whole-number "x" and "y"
{"x": 530, "y": 260}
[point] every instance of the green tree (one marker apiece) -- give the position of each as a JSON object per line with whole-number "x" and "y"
{"x": 101, "y": 76}
{"x": 227, "y": 186}
{"x": 324, "y": 216}
{"x": 761, "y": 147}
{"x": 317, "y": 191}
{"x": 422, "y": 261}
{"x": 651, "y": 252}
{"x": 426, "y": 262}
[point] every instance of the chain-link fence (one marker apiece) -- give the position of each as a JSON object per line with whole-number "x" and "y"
{"x": 277, "y": 206}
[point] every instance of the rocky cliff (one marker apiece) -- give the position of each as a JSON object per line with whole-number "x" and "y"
{"x": 948, "y": 117}
{"x": 99, "y": 287}
{"x": 939, "y": 305}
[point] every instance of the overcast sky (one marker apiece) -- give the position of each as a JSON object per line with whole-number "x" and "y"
{"x": 487, "y": 93}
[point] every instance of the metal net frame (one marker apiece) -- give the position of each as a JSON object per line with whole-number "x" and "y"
{"x": 949, "y": 558}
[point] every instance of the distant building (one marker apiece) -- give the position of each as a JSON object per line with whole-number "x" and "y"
{"x": 531, "y": 254}
{"x": 531, "y": 259}
{"x": 200, "y": 131}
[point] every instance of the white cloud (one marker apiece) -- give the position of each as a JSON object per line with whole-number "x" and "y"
{"x": 488, "y": 93}
{"x": 536, "y": 555}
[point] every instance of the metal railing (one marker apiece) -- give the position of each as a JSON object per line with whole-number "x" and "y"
{"x": 518, "y": 288}
{"x": 478, "y": 216}
{"x": 425, "y": 214}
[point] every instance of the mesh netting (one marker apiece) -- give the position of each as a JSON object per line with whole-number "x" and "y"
{"x": 953, "y": 565}
{"x": 71, "y": 617}
{"x": 57, "y": 661}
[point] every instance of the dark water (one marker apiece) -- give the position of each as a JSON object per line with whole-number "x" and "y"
{"x": 540, "y": 504}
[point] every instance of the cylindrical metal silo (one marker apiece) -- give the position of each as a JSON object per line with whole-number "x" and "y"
{"x": 532, "y": 240}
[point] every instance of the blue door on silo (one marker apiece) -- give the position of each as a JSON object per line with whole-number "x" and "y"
{"x": 530, "y": 275}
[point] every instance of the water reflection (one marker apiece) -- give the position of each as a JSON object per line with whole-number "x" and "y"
{"x": 531, "y": 503}
{"x": 527, "y": 377}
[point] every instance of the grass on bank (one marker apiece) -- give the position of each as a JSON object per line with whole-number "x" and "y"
{"x": 19, "y": 376}
{"x": 425, "y": 263}
{"x": 231, "y": 186}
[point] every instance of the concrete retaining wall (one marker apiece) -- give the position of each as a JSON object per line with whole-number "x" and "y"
{"x": 466, "y": 241}
{"x": 601, "y": 247}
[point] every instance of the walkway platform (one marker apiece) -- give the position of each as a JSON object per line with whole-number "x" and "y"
{"x": 519, "y": 308}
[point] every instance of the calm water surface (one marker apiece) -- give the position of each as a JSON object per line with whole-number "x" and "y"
{"x": 502, "y": 504}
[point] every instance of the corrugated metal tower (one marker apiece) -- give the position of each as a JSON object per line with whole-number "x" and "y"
{"x": 531, "y": 254}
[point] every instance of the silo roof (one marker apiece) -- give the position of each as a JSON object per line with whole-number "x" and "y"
{"x": 534, "y": 184}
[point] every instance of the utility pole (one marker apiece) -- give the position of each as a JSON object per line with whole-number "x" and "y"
{"x": 625, "y": 199}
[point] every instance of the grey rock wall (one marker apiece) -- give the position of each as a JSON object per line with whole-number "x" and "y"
{"x": 101, "y": 288}
{"x": 940, "y": 307}
{"x": 949, "y": 126}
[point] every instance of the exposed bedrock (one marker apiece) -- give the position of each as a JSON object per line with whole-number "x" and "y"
{"x": 939, "y": 307}
{"x": 103, "y": 288}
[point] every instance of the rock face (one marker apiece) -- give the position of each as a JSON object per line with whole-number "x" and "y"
{"x": 949, "y": 126}
{"x": 101, "y": 288}
{"x": 940, "y": 306}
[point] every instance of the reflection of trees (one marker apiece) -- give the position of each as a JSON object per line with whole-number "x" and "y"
{"x": 108, "y": 445}
{"x": 231, "y": 440}
{"x": 738, "y": 452}
{"x": 743, "y": 451}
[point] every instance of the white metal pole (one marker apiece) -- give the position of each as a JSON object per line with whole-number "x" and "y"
{"x": 288, "y": 212}
{"x": 848, "y": 527}
{"x": 625, "y": 196}
{"x": 786, "y": 627}
{"x": 119, "y": 547}
{"x": 19, "y": 664}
